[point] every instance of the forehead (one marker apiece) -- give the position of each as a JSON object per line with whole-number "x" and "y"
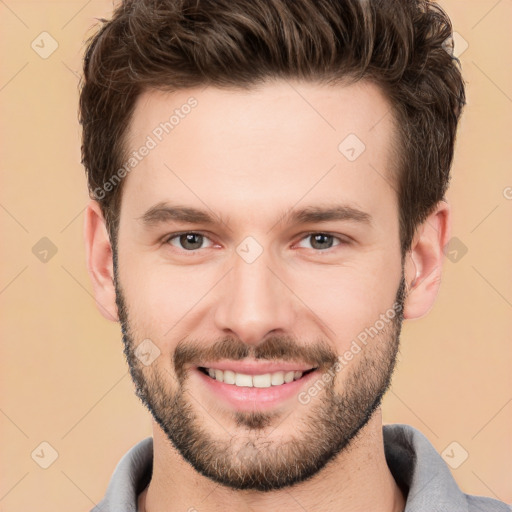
{"x": 279, "y": 143}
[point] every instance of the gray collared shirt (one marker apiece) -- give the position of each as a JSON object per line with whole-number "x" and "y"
{"x": 417, "y": 468}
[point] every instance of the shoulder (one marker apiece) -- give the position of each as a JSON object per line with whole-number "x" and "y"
{"x": 424, "y": 476}
{"x": 483, "y": 504}
{"x": 131, "y": 475}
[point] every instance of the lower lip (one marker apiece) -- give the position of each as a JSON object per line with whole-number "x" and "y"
{"x": 249, "y": 399}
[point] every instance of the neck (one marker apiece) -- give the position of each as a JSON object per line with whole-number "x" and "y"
{"x": 357, "y": 480}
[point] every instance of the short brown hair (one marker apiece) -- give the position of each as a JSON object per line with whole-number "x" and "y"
{"x": 400, "y": 45}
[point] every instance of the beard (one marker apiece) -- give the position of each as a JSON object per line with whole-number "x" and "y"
{"x": 251, "y": 458}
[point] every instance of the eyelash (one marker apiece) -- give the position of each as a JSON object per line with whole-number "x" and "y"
{"x": 341, "y": 241}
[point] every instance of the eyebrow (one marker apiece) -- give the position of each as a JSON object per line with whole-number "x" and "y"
{"x": 164, "y": 212}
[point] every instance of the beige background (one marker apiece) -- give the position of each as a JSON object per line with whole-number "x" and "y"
{"x": 63, "y": 377}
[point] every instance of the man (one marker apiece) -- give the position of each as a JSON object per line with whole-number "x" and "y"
{"x": 267, "y": 185}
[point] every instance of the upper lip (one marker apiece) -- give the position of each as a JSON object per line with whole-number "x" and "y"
{"x": 257, "y": 367}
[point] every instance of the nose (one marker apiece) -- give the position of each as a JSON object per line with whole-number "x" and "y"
{"x": 255, "y": 301}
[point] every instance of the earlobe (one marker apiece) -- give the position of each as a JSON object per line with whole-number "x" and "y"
{"x": 424, "y": 262}
{"x": 99, "y": 261}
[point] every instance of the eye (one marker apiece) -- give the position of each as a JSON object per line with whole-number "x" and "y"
{"x": 189, "y": 241}
{"x": 322, "y": 241}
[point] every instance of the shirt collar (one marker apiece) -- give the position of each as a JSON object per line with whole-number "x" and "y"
{"x": 418, "y": 469}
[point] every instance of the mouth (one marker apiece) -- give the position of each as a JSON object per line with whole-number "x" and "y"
{"x": 255, "y": 380}
{"x": 251, "y": 384}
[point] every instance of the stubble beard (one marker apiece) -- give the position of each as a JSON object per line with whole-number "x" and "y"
{"x": 252, "y": 458}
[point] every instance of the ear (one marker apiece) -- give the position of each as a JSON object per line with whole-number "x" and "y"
{"x": 99, "y": 261}
{"x": 424, "y": 262}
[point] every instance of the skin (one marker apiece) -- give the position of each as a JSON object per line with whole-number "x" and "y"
{"x": 250, "y": 157}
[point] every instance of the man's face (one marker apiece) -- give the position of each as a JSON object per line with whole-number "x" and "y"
{"x": 256, "y": 294}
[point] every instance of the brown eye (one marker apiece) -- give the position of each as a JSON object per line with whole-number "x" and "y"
{"x": 187, "y": 241}
{"x": 321, "y": 241}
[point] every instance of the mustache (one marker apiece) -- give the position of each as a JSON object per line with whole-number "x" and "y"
{"x": 276, "y": 348}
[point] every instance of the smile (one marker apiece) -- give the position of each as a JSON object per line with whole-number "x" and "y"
{"x": 265, "y": 380}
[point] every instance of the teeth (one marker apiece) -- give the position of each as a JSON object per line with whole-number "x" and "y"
{"x": 265, "y": 380}
{"x": 288, "y": 376}
{"x": 262, "y": 381}
{"x": 241, "y": 380}
{"x": 277, "y": 379}
{"x": 229, "y": 377}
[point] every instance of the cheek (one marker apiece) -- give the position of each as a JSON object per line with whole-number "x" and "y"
{"x": 347, "y": 300}
{"x": 165, "y": 299}
{"x": 160, "y": 297}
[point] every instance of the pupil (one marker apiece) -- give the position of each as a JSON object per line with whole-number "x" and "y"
{"x": 322, "y": 239}
{"x": 188, "y": 239}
